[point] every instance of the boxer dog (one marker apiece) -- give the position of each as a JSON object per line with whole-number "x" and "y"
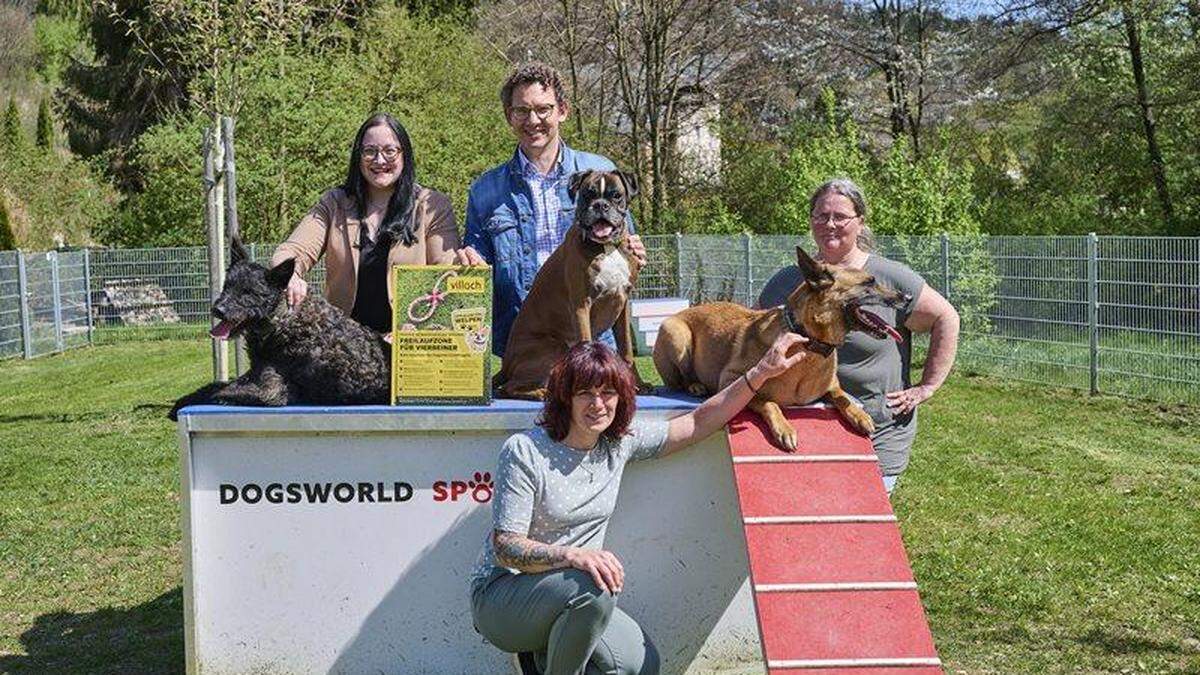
{"x": 581, "y": 290}
{"x": 703, "y": 348}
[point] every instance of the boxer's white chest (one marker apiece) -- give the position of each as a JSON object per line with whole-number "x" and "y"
{"x": 613, "y": 275}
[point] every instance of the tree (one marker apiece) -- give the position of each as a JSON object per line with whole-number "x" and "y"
{"x": 158, "y": 58}
{"x": 16, "y": 38}
{"x": 11, "y": 135}
{"x": 904, "y": 66}
{"x": 636, "y": 68}
{"x": 1125, "y": 111}
{"x": 45, "y": 126}
{"x": 436, "y": 77}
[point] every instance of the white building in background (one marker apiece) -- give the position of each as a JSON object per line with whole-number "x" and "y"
{"x": 697, "y": 139}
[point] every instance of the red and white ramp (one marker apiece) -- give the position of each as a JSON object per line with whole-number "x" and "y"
{"x": 832, "y": 586}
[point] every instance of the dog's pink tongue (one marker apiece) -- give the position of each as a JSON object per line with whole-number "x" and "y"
{"x": 877, "y": 321}
{"x": 221, "y": 330}
{"x": 602, "y": 231}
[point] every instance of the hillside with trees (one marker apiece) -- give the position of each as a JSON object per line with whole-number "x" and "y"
{"x": 1038, "y": 117}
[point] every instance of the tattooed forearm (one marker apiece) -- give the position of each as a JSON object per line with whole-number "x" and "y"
{"x": 522, "y": 553}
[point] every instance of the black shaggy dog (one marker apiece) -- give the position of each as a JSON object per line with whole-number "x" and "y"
{"x": 310, "y": 354}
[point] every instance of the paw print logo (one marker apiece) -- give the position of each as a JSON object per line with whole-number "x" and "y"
{"x": 481, "y": 486}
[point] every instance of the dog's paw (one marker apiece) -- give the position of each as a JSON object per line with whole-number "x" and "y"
{"x": 785, "y": 437}
{"x": 860, "y": 420}
{"x": 697, "y": 389}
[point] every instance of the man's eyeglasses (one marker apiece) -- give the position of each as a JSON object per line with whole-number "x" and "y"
{"x": 838, "y": 219}
{"x": 522, "y": 112}
{"x": 388, "y": 152}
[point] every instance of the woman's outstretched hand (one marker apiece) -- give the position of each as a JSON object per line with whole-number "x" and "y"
{"x": 604, "y": 567}
{"x": 777, "y": 361}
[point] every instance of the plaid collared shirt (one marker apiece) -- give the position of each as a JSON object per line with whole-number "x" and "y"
{"x": 550, "y": 220}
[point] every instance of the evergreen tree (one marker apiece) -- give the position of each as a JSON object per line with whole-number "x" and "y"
{"x": 45, "y": 126}
{"x": 10, "y": 133}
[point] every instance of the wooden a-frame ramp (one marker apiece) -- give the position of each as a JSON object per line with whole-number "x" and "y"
{"x": 833, "y": 590}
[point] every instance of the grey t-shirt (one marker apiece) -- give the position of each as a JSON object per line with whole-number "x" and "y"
{"x": 869, "y": 367}
{"x": 559, "y": 495}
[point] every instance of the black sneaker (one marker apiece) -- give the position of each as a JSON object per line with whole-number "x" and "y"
{"x": 524, "y": 664}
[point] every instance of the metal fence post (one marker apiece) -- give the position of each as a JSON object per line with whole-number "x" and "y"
{"x": 214, "y": 216}
{"x": 56, "y": 290}
{"x": 26, "y": 318}
{"x": 946, "y": 265}
{"x": 1093, "y": 292}
{"x": 679, "y": 265}
{"x": 747, "y": 241}
{"x": 87, "y": 291}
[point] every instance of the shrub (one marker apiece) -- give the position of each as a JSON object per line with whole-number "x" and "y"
{"x": 8, "y": 240}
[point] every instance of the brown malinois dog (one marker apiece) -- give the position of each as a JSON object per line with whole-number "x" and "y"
{"x": 704, "y": 348}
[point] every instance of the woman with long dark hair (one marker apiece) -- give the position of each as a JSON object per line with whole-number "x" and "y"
{"x": 545, "y": 588}
{"x": 377, "y": 218}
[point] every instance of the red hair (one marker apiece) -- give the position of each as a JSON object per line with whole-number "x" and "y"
{"x": 585, "y": 366}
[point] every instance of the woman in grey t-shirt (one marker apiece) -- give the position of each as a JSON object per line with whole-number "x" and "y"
{"x": 872, "y": 370}
{"x": 544, "y": 587}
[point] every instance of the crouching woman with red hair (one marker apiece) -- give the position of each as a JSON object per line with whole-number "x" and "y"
{"x": 545, "y": 588}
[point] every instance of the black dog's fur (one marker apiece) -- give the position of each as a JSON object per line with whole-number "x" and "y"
{"x": 312, "y": 354}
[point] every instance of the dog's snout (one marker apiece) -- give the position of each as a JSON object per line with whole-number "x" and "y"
{"x": 600, "y": 206}
{"x": 218, "y": 312}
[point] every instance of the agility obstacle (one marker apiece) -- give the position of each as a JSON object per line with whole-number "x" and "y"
{"x": 833, "y": 590}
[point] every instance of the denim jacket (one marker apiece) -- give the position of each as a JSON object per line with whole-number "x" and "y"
{"x": 500, "y": 227}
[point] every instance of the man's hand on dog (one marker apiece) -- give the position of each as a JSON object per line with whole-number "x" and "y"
{"x": 605, "y": 568}
{"x": 637, "y": 249}
{"x": 296, "y": 291}
{"x": 906, "y": 400}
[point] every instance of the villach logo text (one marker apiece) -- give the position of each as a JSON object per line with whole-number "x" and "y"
{"x": 316, "y": 493}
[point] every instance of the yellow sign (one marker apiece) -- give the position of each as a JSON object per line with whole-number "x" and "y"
{"x": 441, "y": 335}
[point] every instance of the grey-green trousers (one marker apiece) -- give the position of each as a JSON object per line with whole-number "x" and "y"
{"x": 561, "y": 616}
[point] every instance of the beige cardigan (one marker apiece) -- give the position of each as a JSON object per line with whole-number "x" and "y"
{"x": 331, "y": 228}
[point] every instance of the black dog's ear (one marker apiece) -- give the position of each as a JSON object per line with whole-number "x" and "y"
{"x": 631, "y": 184}
{"x": 813, "y": 271}
{"x": 575, "y": 181}
{"x": 237, "y": 252}
{"x": 279, "y": 275}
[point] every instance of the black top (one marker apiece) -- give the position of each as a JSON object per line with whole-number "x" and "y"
{"x": 371, "y": 307}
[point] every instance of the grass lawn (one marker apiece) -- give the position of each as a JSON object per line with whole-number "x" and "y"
{"x": 1050, "y": 532}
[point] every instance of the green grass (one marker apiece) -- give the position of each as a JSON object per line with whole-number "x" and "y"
{"x": 1050, "y": 532}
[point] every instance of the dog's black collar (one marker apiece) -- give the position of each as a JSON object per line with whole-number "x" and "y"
{"x": 813, "y": 345}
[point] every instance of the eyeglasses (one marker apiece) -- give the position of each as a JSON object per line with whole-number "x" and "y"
{"x": 838, "y": 219}
{"x": 388, "y": 152}
{"x": 590, "y": 394}
{"x": 542, "y": 111}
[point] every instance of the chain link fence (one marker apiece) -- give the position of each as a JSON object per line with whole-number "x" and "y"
{"x": 1118, "y": 315}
